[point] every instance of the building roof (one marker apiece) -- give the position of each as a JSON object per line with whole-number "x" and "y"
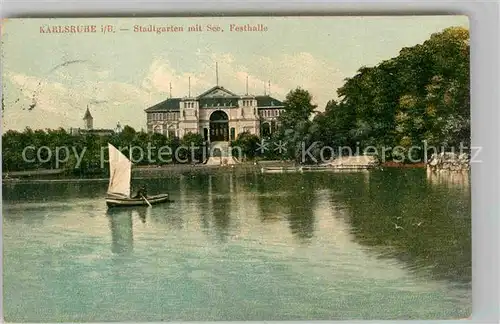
{"x": 268, "y": 101}
{"x": 215, "y": 97}
{"x": 87, "y": 114}
{"x": 171, "y": 104}
{"x": 218, "y": 91}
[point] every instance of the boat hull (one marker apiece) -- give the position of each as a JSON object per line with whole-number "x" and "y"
{"x": 130, "y": 202}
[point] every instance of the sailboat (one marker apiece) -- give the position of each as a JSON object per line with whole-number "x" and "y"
{"x": 120, "y": 171}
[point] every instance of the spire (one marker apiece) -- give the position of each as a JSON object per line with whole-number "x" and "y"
{"x": 189, "y": 93}
{"x": 216, "y": 73}
{"x": 87, "y": 115}
{"x": 247, "y": 84}
{"x": 269, "y": 88}
{"x": 88, "y": 120}
{"x": 265, "y": 90}
{"x": 170, "y": 90}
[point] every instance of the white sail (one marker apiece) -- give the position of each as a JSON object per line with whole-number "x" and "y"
{"x": 120, "y": 171}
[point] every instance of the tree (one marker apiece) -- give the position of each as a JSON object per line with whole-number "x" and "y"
{"x": 194, "y": 148}
{"x": 298, "y": 108}
{"x": 246, "y": 144}
{"x": 295, "y": 122}
{"x": 420, "y": 95}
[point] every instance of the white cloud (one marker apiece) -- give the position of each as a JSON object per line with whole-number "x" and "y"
{"x": 62, "y": 98}
{"x": 63, "y": 105}
{"x": 284, "y": 73}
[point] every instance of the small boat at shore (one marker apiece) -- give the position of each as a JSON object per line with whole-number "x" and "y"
{"x": 118, "y": 195}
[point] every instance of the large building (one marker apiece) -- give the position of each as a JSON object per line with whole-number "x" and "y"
{"x": 218, "y": 114}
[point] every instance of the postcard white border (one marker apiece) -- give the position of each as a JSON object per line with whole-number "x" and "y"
{"x": 485, "y": 54}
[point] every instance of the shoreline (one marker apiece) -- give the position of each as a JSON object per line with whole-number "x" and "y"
{"x": 63, "y": 174}
{"x": 403, "y": 165}
{"x": 149, "y": 172}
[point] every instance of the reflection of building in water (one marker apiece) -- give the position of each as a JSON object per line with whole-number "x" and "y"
{"x": 219, "y": 204}
{"x": 449, "y": 178}
{"x": 120, "y": 225}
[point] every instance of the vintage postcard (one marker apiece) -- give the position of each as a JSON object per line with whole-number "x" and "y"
{"x": 236, "y": 169}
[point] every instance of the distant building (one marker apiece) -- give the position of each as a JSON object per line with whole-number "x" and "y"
{"x": 88, "y": 120}
{"x": 88, "y": 124}
{"x": 218, "y": 114}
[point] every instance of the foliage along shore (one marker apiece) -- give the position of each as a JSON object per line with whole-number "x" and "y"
{"x": 421, "y": 95}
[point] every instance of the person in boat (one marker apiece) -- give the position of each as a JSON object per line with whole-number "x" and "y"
{"x": 142, "y": 192}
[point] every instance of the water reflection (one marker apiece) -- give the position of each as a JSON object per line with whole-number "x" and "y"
{"x": 121, "y": 227}
{"x": 457, "y": 179}
{"x": 422, "y": 225}
{"x": 219, "y": 203}
{"x": 290, "y": 197}
{"x": 433, "y": 212}
{"x": 300, "y": 214}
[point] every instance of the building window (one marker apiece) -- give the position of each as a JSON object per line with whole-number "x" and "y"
{"x": 266, "y": 130}
{"x": 233, "y": 134}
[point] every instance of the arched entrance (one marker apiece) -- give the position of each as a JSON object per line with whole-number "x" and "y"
{"x": 266, "y": 129}
{"x": 219, "y": 126}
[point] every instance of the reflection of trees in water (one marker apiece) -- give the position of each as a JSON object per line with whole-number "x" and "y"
{"x": 216, "y": 204}
{"x": 291, "y": 194}
{"x": 168, "y": 216}
{"x": 221, "y": 204}
{"x": 59, "y": 191}
{"x": 120, "y": 225}
{"x": 435, "y": 221}
{"x": 301, "y": 207}
{"x": 272, "y": 201}
{"x": 459, "y": 180}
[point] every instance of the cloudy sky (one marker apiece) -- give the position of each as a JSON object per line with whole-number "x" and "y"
{"x": 120, "y": 74}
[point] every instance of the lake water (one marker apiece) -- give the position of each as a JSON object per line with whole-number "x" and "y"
{"x": 317, "y": 246}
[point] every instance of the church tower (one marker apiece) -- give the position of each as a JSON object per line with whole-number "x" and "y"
{"x": 88, "y": 120}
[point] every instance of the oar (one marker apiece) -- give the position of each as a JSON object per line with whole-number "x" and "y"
{"x": 146, "y": 200}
